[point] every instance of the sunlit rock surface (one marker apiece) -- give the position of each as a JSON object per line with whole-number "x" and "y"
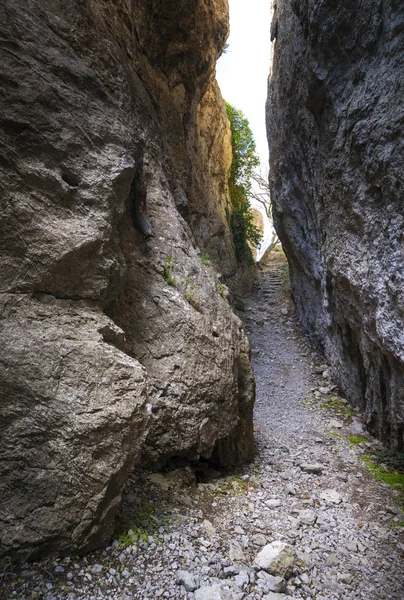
{"x": 105, "y": 362}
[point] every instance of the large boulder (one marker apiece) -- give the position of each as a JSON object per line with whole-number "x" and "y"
{"x": 114, "y": 349}
{"x": 72, "y": 424}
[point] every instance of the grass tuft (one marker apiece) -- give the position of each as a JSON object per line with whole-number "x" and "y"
{"x": 147, "y": 521}
{"x": 167, "y": 275}
{"x": 205, "y": 259}
{"x": 354, "y": 439}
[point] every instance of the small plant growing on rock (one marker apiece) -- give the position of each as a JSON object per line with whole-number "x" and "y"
{"x": 192, "y": 298}
{"x": 223, "y": 290}
{"x": 205, "y": 259}
{"x": 234, "y": 486}
{"x": 354, "y": 439}
{"x": 149, "y": 518}
{"x": 393, "y": 458}
{"x": 393, "y": 476}
{"x": 167, "y": 275}
{"x": 190, "y": 295}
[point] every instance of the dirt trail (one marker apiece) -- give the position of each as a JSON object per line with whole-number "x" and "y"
{"x": 193, "y": 533}
{"x": 353, "y": 547}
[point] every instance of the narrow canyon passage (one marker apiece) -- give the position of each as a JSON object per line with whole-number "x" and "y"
{"x": 130, "y": 465}
{"x": 197, "y": 533}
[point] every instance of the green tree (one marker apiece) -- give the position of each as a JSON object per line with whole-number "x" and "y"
{"x": 245, "y": 160}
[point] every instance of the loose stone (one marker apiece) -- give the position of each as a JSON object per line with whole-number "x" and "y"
{"x": 277, "y": 558}
{"x": 307, "y": 517}
{"x": 314, "y": 468}
{"x": 187, "y": 580}
{"x": 331, "y": 496}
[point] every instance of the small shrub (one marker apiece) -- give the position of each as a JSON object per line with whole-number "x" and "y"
{"x": 396, "y": 523}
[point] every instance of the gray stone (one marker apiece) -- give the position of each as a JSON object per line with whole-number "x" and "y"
{"x": 161, "y": 481}
{"x": 209, "y": 528}
{"x": 332, "y": 560}
{"x": 314, "y": 468}
{"x": 352, "y": 546}
{"x": 275, "y": 596}
{"x": 273, "y": 503}
{"x": 273, "y": 583}
{"x": 357, "y": 427}
{"x": 242, "y": 579}
{"x": 331, "y": 496}
{"x": 77, "y": 439}
{"x": 307, "y": 517}
{"x": 236, "y": 554}
{"x": 336, "y": 424}
{"x": 324, "y": 390}
{"x": 346, "y": 578}
{"x": 96, "y": 569}
{"x": 187, "y": 580}
{"x": 215, "y": 592}
{"x": 259, "y": 539}
{"x": 277, "y": 558}
{"x": 290, "y": 489}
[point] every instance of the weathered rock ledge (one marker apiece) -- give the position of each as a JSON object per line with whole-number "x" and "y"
{"x": 104, "y": 362}
{"x": 335, "y": 121}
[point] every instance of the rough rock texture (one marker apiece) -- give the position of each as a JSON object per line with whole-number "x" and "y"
{"x": 335, "y": 122}
{"x": 211, "y": 143}
{"x": 103, "y": 360}
{"x": 258, "y": 220}
{"x": 72, "y": 422}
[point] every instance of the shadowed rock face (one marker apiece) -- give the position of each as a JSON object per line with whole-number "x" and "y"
{"x": 103, "y": 361}
{"x": 335, "y": 120}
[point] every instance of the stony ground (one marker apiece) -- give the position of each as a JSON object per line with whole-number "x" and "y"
{"x": 308, "y": 507}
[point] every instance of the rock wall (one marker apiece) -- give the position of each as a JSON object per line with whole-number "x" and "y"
{"x": 114, "y": 349}
{"x": 334, "y": 119}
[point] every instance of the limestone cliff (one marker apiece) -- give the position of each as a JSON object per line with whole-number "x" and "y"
{"x": 335, "y": 123}
{"x": 113, "y": 349}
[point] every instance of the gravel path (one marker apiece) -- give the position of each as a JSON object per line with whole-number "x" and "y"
{"x": 195, "y": 533}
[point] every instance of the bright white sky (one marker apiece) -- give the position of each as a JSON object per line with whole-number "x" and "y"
{"x": 243, "y": 71}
